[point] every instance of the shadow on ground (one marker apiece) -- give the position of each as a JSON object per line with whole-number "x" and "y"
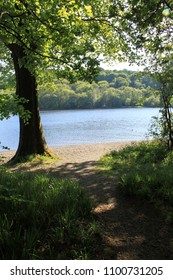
{"x": 131, "y": 228}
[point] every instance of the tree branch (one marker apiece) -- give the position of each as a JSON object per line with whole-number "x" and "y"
{"x": 168, "y": 5}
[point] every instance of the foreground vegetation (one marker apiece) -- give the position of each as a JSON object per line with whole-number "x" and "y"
{"x": 44, "y": 218}
{"x": 145, "y": 171}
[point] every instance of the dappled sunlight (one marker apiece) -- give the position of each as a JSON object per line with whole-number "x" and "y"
{"x": 118, "y": 241}
{"x": 104, "y": 208}
{"x": 126, "y": 248}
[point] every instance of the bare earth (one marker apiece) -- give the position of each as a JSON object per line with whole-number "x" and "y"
{"x": 132, "y": 228}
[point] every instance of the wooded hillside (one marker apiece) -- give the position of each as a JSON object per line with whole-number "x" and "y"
{"x": 113, "y": 89}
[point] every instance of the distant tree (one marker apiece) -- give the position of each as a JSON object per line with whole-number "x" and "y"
{"x": 83, "y": 87}
{"x": 110, "y": 76}
{"x": 121, "y": 82}
{"x": 102, "y": 75}
{"x": 103, "y": 85}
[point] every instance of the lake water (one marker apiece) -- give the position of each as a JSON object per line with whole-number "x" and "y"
{"x": 63, "y": 128}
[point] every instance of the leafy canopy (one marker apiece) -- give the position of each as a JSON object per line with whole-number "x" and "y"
{"x": 148, "y": 26}
{"x": 62, "y": 35}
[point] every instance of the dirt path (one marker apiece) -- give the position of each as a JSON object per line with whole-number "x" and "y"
{"x": 133, "y": 229}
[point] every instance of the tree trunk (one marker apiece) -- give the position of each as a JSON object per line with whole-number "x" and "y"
{"x": 31, "y": 139}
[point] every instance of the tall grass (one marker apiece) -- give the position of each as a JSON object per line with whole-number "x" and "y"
{"x": 43, "y": 218}
{"x": 144, "y": 170}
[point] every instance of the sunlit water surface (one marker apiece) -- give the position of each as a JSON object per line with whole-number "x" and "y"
{"x": 63, "y": 128}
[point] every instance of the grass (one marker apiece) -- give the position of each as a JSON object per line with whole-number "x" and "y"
{"x": 144, "y": 170}
{"x": 44, "y": 218}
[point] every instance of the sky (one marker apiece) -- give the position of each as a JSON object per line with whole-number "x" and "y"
{"x": 121, "y": 66}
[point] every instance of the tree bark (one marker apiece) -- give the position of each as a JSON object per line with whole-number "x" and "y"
{"x": 31, "y": 139}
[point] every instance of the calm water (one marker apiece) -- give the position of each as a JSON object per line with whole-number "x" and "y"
{"x": 71, "y": 127}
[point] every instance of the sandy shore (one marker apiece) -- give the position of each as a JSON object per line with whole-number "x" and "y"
{"x": 77, "y": 153}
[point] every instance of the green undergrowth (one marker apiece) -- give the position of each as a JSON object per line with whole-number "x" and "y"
{"x": 44, "y": 218}
{"x": 33, "y": 159}
{"x": 144, "y": 170}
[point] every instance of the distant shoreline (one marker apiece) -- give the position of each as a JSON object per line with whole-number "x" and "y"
{"x": 102, "y": 108}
